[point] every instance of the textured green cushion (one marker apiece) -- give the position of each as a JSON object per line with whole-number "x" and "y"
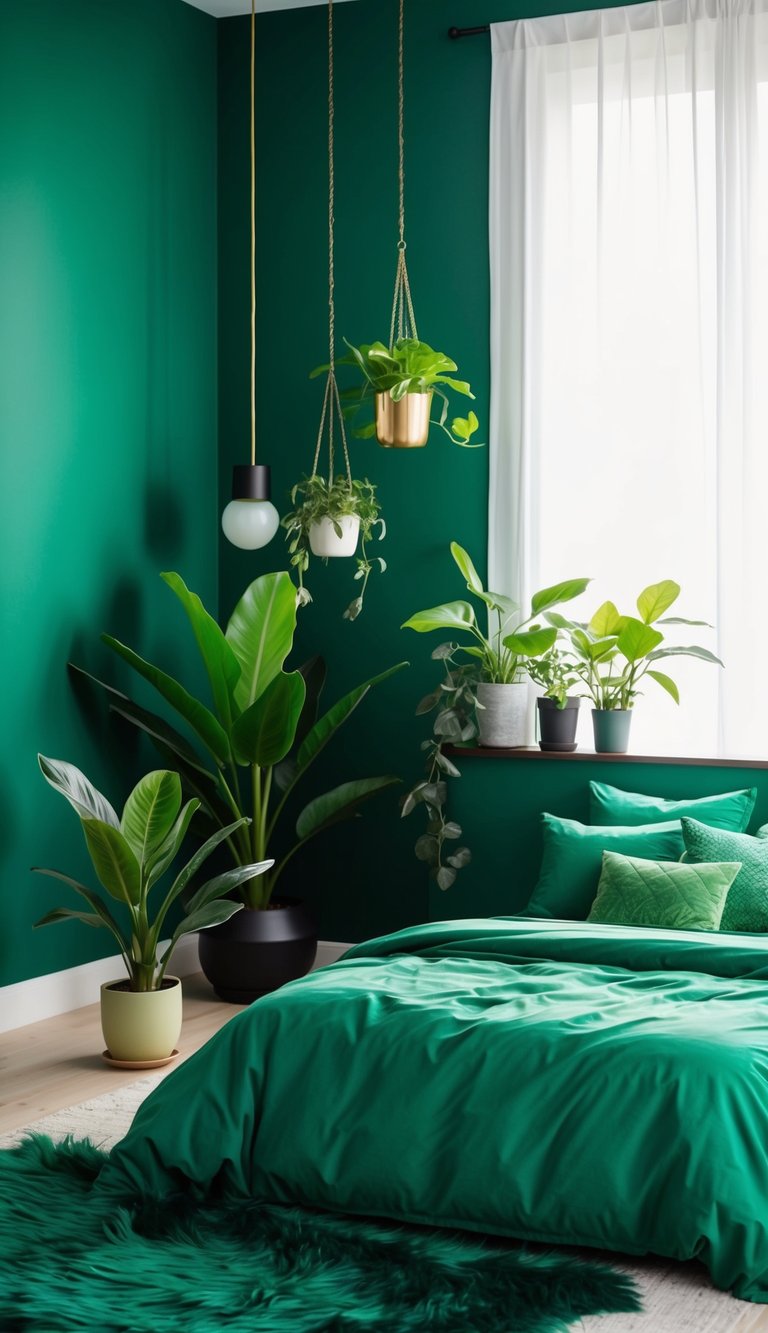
{"x": 611, "y": 805}
{"x": 573, "y": 857}
{"x": 672, "y": 894}
{"x": 747, "y": 905}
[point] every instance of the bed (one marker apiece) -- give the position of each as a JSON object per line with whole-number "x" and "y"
{"x": 546, "y": 1080}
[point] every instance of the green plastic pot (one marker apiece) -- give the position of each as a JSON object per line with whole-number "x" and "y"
{"x": 611, "y": 728}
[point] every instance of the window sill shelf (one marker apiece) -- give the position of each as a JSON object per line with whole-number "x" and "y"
{"x": 591, "y": 756}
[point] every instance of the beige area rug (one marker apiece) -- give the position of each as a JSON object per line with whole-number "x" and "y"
{"x": 677, "y": 1298}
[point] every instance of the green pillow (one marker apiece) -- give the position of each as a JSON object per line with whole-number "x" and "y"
{"x": 671, "y": 894}
{"x": 611, "y": 805}
{"x": 573, "y": 858}
{"x": 747, "y": 905}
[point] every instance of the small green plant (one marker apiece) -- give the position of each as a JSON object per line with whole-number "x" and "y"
{"x": 511, "y": 643}
{"x": 556, "y": 673}
{"x": 313, "y": 499}
{"x": 409, "y": 366}
{"x": 614, "y": 653}
{"x": 130, "y": 855}
{"x": 453, "y": 703}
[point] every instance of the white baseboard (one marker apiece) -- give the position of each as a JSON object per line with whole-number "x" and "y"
{"x": 59, "y": 992}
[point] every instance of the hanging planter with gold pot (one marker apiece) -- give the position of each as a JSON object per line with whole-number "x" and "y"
{"x": 402, "y": 423}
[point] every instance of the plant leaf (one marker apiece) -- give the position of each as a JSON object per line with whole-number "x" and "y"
{"x": 694, "y": 651}
{"x": 159, "y": 862}
{"x": 666, "y": 683}
{"x": 636, "y": 639}
{"x": 200, "y": 718}
{"x": 75, "y": 788}
{"x": 467, "y": 568}
{"x": 114, "y": 861}
{"x": 557, "y": 593}
{"x": 225, "y": 883}
{"x": 340, "y": 803}
{"x": 100, "y": 909}
{"x": 327, "y": 725}
{"x": 260, "y": 633}
{"x": 221, "y": 665}
{"x": 452, "y": 615}
{"x": 265, "y": 732}
{"x": 212, "y": 915}
{"x": 193, "y": 864}
{"x": 150, "y": 812}
{"x": 606, "y": 620}
{"x": 656, "y": 599}
{"x": 531, "y": 642}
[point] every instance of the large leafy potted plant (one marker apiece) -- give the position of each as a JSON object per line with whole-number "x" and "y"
{"x": 502, "y": 656}
{"x": 614, "y": 654}
{"x": 253, "y": 746}
{"x": 326, "y": 520}
{"x": 400, "y": 382}
{"x": 141, "y": 1016}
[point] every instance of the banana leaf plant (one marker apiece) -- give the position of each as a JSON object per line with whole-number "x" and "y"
{"x": 613, "y": 654}
{"x": 130, "y": 855}
{"x": 261, "y": 734}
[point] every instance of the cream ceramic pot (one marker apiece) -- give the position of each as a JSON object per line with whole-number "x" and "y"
{"x": 325, "y": 541}
{"x": 141, "y": 1025}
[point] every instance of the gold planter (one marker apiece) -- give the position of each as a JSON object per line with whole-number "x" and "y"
{"x": 405, "y": 424}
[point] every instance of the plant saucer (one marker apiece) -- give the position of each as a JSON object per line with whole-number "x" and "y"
{"x": 138, "y": 1064}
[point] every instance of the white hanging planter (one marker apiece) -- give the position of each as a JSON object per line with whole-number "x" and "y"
{"x": 325, "y": 541}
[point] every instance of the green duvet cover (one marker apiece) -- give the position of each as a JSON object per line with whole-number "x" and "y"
{"x": 556, "y": 1081}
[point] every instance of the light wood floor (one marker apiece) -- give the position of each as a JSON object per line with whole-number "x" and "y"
{"x": 47, "y": 1066}
{"x": 57, "y": 1063}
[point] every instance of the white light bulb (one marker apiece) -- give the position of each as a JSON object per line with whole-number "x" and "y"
{"x": 250, "y": 524}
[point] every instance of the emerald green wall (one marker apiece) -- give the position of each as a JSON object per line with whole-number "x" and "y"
{"x": 107, "y": 395}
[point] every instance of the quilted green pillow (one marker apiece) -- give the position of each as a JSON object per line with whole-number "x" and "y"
{"x": 572, "y": 861}
{"x": 747, "y": 905}
{"x": 670, "y": 894}
{"x": 611, "y": 805}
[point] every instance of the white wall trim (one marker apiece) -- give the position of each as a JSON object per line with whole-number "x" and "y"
{"x": 58, "y": 993}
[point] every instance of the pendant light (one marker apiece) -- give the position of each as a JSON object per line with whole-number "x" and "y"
{"x": 250, "y": 521}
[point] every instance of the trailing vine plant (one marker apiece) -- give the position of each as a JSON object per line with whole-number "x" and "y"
{"x": 453, "y": 703}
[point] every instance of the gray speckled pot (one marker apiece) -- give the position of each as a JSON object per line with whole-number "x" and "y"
{"x": 502, "y": 716}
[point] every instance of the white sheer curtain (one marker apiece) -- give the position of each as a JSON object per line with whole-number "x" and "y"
{"x": 629, "y": 334}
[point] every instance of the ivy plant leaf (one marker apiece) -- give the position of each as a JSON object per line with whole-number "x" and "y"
{"x": 260, "y": 633}
{"x": 114, "y": 861}
{"x": 340, "y": 803}
{"x": 466, "y": 567}
{"x": 151, "y": 811}
{"x": 446, "y": 876}
{"x": 221, "y": 665}
{"x": 666, "y": 683}
{"x": 695, "y": 650}
{"x": 75, "y": 788}
{"x": 265, "y": 732}
{"x": 656, "y": 599}
{"x": 605, "y": 621}
{"x": 460, "y": 858}
{"x": 452, "y": 615}
{"x": 636, "y": 639}
{"x": 327, "y": 725}
{"x": 557, "y": 593}
{"x": 427, "y": 848}
{"x": 195, "y": 713}
{"x": 531, "y": 642}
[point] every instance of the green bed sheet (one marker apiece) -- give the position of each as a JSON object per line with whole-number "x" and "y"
{"x": 554, "y": 1081}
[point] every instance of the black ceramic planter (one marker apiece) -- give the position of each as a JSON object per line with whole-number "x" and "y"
{"x": 256, "y": 952}
{"x": 557, "y": 726}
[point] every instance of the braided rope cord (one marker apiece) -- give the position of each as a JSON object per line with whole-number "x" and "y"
{"x": 331, "y": 400}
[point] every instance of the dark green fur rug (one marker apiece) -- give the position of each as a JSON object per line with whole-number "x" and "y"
{"x": 70, "y": 1260}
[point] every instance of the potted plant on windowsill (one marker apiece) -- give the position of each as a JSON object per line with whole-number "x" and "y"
{"x": 326, "y": 521}
{"x": 141, "y": 1016}
{"x": 558, "y": 707}
{"x": 253, "y": 747}
{"x": 401, "y": 382}
{"x": 503, "y": 656}
{"x": 615, "y": 653}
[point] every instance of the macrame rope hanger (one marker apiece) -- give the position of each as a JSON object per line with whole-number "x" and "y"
{"x": 331, "y": 402}
{"x": 403, "y": 322}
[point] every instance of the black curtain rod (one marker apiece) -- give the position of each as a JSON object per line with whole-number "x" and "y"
{"x": 468, "y": 32}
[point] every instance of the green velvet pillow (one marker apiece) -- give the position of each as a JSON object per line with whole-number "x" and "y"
{"x": 573, "y": 857}
{"x": 747, "y": 905}
{"x": 611, "y": 805}
{"x": 670, "y": 894}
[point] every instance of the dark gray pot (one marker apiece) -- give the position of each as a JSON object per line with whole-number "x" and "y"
{"x": 611, "y": 727}
{"x": 557, "y": 726}
{"x": 256, "y": 952}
